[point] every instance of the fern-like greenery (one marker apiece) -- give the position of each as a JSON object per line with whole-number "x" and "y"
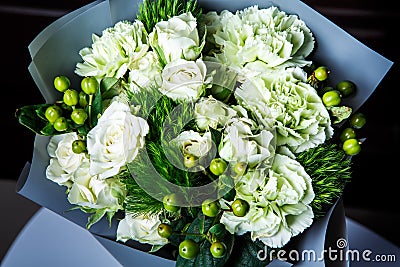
{"x": 330, "y": 169}
{"x": 153, "y": 11}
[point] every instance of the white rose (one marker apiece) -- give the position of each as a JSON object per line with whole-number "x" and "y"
{"x": 177, "y": 38}
{"x": 140, "y": 228}
{"x": 144, "y": 72}
{"x": 115, "y": 140}
{"x": 184, "y": 80}
{"x": 192, "y": 143}
{"x": 63, "y": 161}
{"x": 90, "y": 192}
{"x": 239, "y": 144}
{"x": 210, "y": 112}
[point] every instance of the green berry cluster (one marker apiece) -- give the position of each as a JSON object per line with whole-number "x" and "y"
{"x": 348, "y": 136}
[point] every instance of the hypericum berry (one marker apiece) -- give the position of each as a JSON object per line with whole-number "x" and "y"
{"x": 240, "y": 168}
{"x": 60, "y": 124}
{"x": 218, "y": 166}
{"x": 83, "y": 102}
{"x": 347, "y": 133}
{"x": 170, "y": 202}
{"x": 52, "y": 113}
{"x": 321, "y": 73}
{"x": 210, "y": 208}
{"x": 79, "y": 116}
{"x": 189, "y": 249}
{"x": 218, "y": 249}
{"x": 346, "y": 87}
{"x": 89, "y": 85}
{"x": 164, "y": 230}
{"x": 357, "y": 120}
{"x": 71, "y": 97}
{"x": 189, "y": 161}
{"x": 61, "y": 83}
{"x": 78, "y": 146}
{"x": 351, "y": 146}
{"x": 331, "y": 98}
{"x": 240, "y": 207}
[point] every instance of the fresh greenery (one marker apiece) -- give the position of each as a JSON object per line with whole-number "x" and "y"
{"x": 153, "y": 11}
{"x": 330, "y": 169}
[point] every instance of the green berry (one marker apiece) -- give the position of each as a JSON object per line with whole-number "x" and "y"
{"x": 61, "y": 83}
{"x": 78, "y": 146}
{"x": 346, "y": 87}
{"x": 210, "y": 208}
{"x": 52, "y": 113}
{"x": 71, "y": 97}
{"x": 60, "y": 124}
{"x": 357, "y": 120}
{"x": 218, "y": 249}
{"x": 190, "y": 161}
{"x": 79, "y": 116}
{"x": 189, "y": 249}
{"x": 218, "y": 166}
{"x": 331, "y": 98}
{"x": 170, "y": 202}
{"x": 83, "y": 102}
{"x": 164, "y": 230}
{"x": 347, "y": 134}
{"x": 351, "y": 146}
{"x": 321, "y": 73}
{"x": 240, "y": 168}
{"x": 240, "y": 207}
{"x": 89, "y": 85}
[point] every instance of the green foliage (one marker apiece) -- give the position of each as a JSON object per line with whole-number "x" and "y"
{"x": 330, "y": 169}
{"x": 153, "y": 11}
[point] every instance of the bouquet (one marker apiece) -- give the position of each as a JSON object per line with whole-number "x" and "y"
{"x": 214, "y": 133}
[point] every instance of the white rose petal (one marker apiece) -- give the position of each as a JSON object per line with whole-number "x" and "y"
{"x": 115, "y": 140}
{"x": 184, "y": 80}
{"x": 140, "y": 228}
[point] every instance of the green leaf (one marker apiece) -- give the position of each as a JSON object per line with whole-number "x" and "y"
{"x": 48, "y": 130}
{"x": 97, "y": 108}
{"x": 29, "y": 117}
{"x": 110, "y": 87}
{"x": 218, "y": 230}
{"x": 95, "y": 217}
{"x": 247, "y": 252}
{"x": 155, "y": 248}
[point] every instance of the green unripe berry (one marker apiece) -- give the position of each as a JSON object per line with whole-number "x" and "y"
{"x": 61, "y": 83}
{"x": 218, "y": 166}
{"x": 331, "y": 98}
{"x": 351, "y": 146}
{"x": 79, "y": 116}
{"x": 346, "y": 87}
{"x": 357, "y": 120}
{"x": 240, "y": 207}
{"x": 78, "y": 146}
{"x": 164, "y": 230}
{"x": 189, "y": 249}
{"x": 83, "y": 102}
{"x": 71, "y": 97}
{"x": 52, "y": 113}
{"x": 347, "y": 134}
{"x": 321, "y": 73}
{"x": 218, "y": 249}
{"x": 60, "y": 124}
{"x": 89, "y": 85}
{"x": 170, "y": 202}
{"x": 210, "y": 208}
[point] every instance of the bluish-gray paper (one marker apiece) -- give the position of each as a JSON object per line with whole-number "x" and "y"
{"x": 56, "y": 49}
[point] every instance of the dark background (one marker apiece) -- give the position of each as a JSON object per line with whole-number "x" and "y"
{"x": 372, "y": 197}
